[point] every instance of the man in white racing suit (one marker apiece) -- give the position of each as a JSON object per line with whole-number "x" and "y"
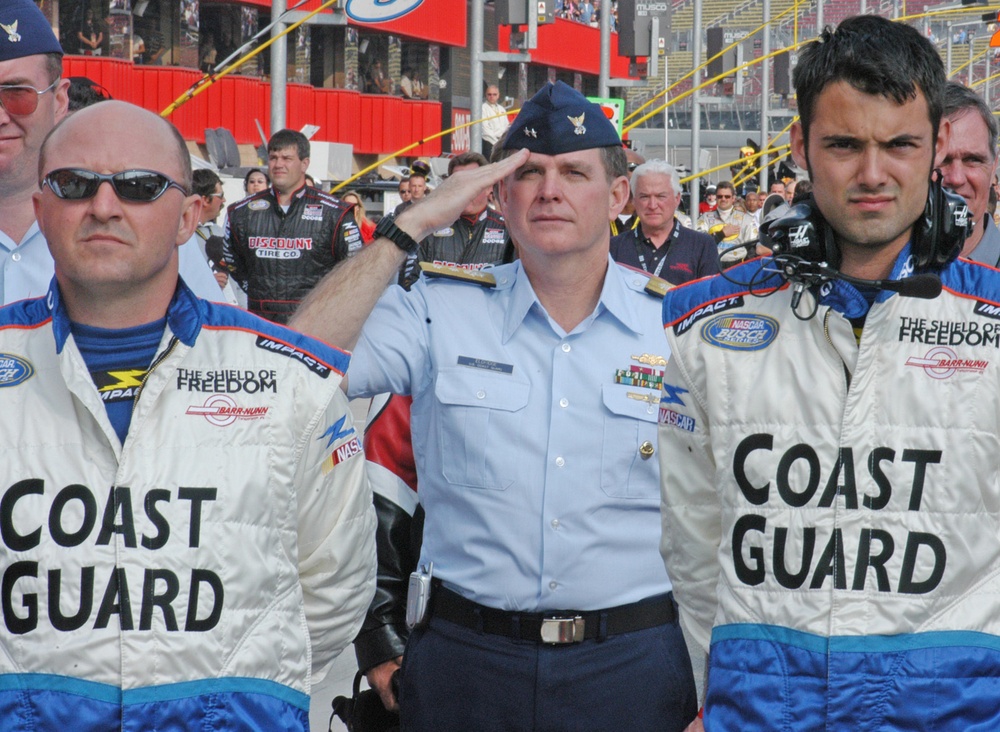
{"x": 831, "y": 487}
{"x": 186, "y": 532}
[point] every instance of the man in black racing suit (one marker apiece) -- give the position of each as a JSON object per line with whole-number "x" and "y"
{"x": 476, "y": 240}
{"x": 281, "y": 241}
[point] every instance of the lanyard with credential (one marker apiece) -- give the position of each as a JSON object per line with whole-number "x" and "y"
{"x": 642, "y": 257}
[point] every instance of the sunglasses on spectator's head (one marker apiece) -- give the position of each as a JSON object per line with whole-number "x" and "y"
{"x": 137, "y": 186}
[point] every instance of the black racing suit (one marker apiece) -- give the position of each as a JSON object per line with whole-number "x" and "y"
{"x": 472, "y": 242}
{"x": 278, "y": 256}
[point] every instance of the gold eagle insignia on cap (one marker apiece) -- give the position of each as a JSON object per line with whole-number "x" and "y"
{"x": 12, "y": 35}
{"x": 578, "y": 128}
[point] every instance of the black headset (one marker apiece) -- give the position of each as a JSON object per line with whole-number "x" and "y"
{"x": 937, "y": 236}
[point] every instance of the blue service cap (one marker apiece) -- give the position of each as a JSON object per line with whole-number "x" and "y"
{"x": 559, "y": 119}
{"x": 24, "y": 31}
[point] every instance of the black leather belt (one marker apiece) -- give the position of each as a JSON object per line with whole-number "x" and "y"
{"x": 556, "y": 628}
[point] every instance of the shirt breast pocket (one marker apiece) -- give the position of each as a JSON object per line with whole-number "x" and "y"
{"x": 629, "y": 469}
{"x": 480, "y": 419}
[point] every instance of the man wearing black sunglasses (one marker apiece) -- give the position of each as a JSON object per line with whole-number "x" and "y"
{"x": 185, "y": 514}
{"x": 33, "y": 98}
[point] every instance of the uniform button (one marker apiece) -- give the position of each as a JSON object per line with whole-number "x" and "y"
{"x": 16, "y": 256}
{"x": 564, "y": 402}
{"x": 650, "y": 409}
{"x": 637, "y": 283}
{"x": 481, "y": 394}
{"x": 555, "y": 523}
{"x": 553, "y": 585}
{"x": 566, "y": 347}
{"x": 560, "y": 462}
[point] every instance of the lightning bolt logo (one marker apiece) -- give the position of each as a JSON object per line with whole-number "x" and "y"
{"x": 125, "y": 379}
{"x": 336, "y": 431}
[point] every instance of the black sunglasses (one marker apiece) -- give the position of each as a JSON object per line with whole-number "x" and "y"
{"x": 138, "y": 186}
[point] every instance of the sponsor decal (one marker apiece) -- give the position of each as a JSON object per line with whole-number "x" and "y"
{"x": 314, "y": 365}
{"x": 336, "y": 431}
{"x": 468, "y": 266}
{"x": 493, "y": 236}
{"x": 259, "y": 205}
{"x": 295, "y": 243}
{"x": 748, "y": 332}
{"x": 377, "y": 11}
{"x": 14, "y": 370}
{"x": 682, "y": 326}
{"x": 988, "y": 309}
{"x": 676, "y": 419}
{"x": 168, "y": 596}
{"x": 221, "y": 410}
{"x": 942, "y": 362}
{"x": 863, "y": 554}
{"x": 672, "y": 395}
{"x": 344, "y": 452}
{"x": 227, "y": 381}
{"x": 312, "y": 212}
{"x": 446, "y": 231}
{"x": 948, "y": 332}
{"x": 118, "y": 386}
{"x": 482, "y": 363}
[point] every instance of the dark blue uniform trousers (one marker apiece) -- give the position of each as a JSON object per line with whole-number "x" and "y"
{"x": 456, "y": 678}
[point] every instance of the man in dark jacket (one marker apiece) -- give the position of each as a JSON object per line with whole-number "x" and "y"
{"x": 281, "y": 241}
{"x": 660, "y": 244}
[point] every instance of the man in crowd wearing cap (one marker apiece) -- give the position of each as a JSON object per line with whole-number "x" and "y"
{"x": 728, "y": 223}
{"x": 535, "y": 390}
{"x": 188, "y": 534}
{"x": 661, "y": 245}
{"x": 969, "y": 167}
{"x": 33, "y": 98}
{"x": 281, "y": 241}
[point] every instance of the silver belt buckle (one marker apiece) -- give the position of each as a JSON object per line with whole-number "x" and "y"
{"x": 558, "y": 631}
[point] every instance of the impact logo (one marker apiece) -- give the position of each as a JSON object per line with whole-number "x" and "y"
{"x": 221, "y": 410}
{"x": 943, "y": 363}
{"x": 988, "y": 309}
{"x": 740, "y": 332}
{"x": 377, "y": 11}
{"x": 704, "y": 311}
{"x": 14, "y": 370}
{"x": 118, "y": 386}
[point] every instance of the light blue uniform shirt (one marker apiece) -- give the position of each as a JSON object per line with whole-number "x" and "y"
{"x": 527, "y": 439}
{"x": 28, "y": 268}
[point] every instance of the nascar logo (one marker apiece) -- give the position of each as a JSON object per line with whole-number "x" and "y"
{"x": 14, "y": 370}
{"x": 740, "y": 332}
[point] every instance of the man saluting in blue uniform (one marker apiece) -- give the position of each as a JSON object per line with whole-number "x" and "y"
{"x": 535, "y": 390}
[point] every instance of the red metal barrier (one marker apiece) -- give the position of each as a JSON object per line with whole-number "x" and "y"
{"x": 372, "y": 123}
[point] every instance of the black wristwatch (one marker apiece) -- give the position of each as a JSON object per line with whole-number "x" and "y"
{"x": 400, "y": 238}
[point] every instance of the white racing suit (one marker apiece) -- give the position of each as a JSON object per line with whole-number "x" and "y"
{"x": 200, "y": 576}
{"x": 831, "y": 511}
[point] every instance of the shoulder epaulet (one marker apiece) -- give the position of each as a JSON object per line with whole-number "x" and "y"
{"x": 658, "y": 287}
{"x": 448, "y": 272}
